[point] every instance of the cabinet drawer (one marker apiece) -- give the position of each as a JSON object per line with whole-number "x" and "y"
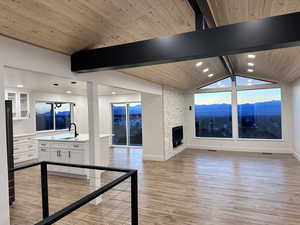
{"x": 60, "y": 145}
{"x": 24, "y": 156}
{"x": 76, "y": 145}
{"x": 44, "y": 149}
{"x": 24, "y": 147}
{"x": 23, "y": 139}
{"x": 31, "y": 154}
{"x": 43, "y": 144}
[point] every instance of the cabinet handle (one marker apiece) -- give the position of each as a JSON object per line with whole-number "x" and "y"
{"x": 69, "y": 154}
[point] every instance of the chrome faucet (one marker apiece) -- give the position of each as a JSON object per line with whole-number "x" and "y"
{"x": 76, "y": 134}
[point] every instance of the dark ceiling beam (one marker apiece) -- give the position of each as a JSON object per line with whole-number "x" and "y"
{"x": 258, "y": 35}
{"x": 200, "y": 23}
{"x": 202, "y": 9}
{"x": 205, "y": 10}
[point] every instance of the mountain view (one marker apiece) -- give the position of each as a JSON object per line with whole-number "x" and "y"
{"x": 256, "y": 120}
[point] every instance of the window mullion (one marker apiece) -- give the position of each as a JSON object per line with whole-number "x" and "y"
{"x": 54, "y": 112}
{"x": 235, "y": 131}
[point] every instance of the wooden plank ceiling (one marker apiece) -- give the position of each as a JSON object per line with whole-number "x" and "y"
{"x": 67, "y": 26}
{"x": 279, "y": 64}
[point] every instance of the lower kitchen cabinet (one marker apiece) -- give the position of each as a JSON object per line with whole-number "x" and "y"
{"x": 64, "y": 152}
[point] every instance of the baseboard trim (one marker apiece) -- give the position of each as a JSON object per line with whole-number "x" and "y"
{"x": 153, "y": 157}
{"x": 296, "y": 155}
{"x": 241, "y": 149}
{"x": 175, "y": 151}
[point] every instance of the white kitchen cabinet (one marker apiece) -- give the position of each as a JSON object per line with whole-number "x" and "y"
{"x": 24, "y": 148}
{"x": 60, "y": 156}
{"x": 76, "y": 158}
{"x": 12, "y": 96}
{"x": 20, "y": 102}
{"x": 23, "y": 105}
{"x": 64, "y": 152}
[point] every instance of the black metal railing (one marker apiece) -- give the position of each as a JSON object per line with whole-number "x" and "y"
{"x": 47, "y": 220}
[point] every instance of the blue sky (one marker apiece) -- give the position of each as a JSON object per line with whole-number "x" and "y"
{"x": 248, "y": 96}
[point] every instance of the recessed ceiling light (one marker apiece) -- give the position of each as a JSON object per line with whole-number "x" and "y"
{"x": 20, "y": 85}
{"x": 113, "y": 93}
{"x": 198, "y": 64}
{"x": 250, "y": 70}
{"x": 210, "y": 75}
{"x": 68, "y": 92}
{"x": 205, "y": 70}
{"x": 250, "y": 64}
{"x": 251, "y": 56}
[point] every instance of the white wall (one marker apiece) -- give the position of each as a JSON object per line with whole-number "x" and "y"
{"x": 174, "y": 112}
{"x": 122, "y": 80}
{"x": 295, "y": 92}
{"x": 4, "y": 209}
{"x": 80, "y": 112}
{"x": 272, "y": 146}
{"x": 153, "y": 127}
{"x": 105, "y": 112}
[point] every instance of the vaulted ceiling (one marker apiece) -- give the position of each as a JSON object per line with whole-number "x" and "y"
{"x": 67, "y": 26}
{"x": 279, "y": 64}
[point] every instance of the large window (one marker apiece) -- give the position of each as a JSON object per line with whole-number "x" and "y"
{"x": 127, "y": 124}
{"x": 213, "y": 114}
{"x": 259, "y": 113}
{"x": 254, "y": 104}
{"x": 53, "y": 115}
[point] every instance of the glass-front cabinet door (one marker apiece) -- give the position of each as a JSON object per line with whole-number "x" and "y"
{"x": 20, "y": 103}
{"x": 12, "y": 96}
{"x": 24, "y": 105}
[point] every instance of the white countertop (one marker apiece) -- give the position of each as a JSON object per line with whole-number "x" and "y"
{"x": 70, "y": 137}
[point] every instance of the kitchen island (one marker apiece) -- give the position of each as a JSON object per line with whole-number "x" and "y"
{"x": 66, "y": 148}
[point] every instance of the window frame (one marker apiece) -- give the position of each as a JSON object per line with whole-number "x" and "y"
{"x": 127, "y": 124}
{"x": 234, "y": 89}
{"x": 54, "y": 113}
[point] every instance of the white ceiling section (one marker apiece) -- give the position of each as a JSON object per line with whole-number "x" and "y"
{"x": 40, "y": 82}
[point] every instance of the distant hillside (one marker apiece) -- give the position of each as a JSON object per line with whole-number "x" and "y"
{"x": 270, "y": 108}
{"x": 119, "y": 110}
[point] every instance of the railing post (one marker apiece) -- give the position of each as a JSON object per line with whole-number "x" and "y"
{"x": 44, "y": 185}
{"x": 134, "y": 199}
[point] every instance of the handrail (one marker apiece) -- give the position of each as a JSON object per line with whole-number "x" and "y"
{"x": 47, "y": 220}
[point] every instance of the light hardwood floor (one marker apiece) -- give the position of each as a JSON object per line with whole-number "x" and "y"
{"x": 194, "y": 187}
